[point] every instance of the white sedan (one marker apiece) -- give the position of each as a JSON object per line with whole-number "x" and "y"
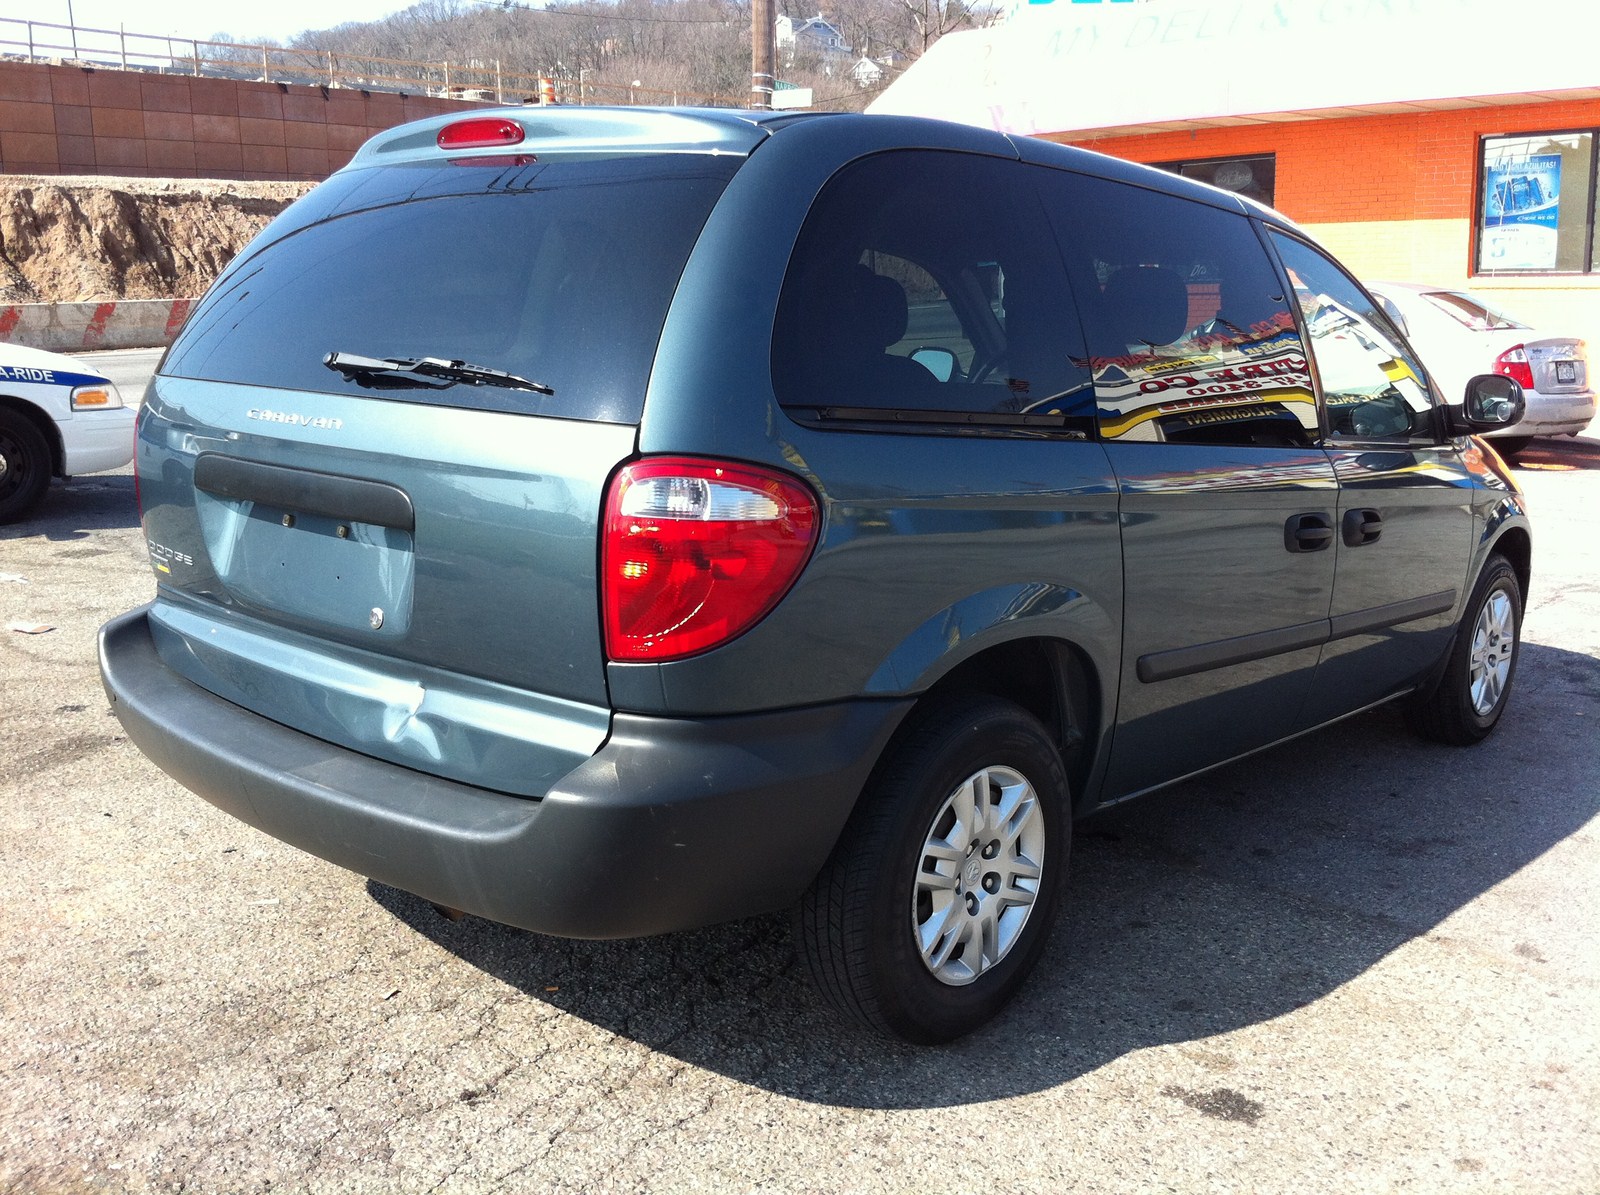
{"x": 57, "y": 419}
{"x": 1458, "y": 334}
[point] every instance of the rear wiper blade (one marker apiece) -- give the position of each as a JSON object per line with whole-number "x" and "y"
{"x": 416, "y": 371}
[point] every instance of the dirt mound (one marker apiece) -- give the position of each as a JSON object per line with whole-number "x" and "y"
{"x": 67, "y": 239}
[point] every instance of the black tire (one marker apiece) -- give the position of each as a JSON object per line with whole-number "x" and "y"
{"x": 1467, "y": 703}
{"x": 857, "y": 926}
{"x": 24, "y": 466}
{"x": 1509, "y": 446}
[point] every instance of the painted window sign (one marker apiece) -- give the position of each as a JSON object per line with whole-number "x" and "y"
{"x": 1521, "y": 209}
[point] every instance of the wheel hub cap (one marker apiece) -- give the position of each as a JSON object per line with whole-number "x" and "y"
{"x": 1494, "y": 640}
{"x": 973, "y": 872}
{"x": 978, "y": 876}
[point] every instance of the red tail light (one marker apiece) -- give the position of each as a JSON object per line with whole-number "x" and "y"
{"x": 1515, "y": 365}
{"x": 696, "y": 552}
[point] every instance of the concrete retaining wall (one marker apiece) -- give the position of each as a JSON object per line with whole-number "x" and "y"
{"x": 114, "y": 324}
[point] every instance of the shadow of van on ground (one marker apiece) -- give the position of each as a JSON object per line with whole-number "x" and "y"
{"x": 1217, "y": 904}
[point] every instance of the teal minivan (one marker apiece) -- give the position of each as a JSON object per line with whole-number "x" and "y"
{"x": 611, "y": 522}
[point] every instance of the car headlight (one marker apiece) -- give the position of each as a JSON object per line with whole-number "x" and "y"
{"x": 100, "y": 396}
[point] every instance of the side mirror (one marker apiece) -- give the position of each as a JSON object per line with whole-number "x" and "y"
{"x": 941, "y": 363}
{"x": 1492, "y": 401}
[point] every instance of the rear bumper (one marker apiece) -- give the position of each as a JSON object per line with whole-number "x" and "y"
{"x": 672, "y": 824}
{"x": 1553, "y": 415}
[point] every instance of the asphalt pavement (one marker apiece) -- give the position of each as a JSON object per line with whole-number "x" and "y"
{"x": 1354, "y": 963}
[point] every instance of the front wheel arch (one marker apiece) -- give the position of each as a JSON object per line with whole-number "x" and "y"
{"x": 1466, "y": 703}
{"x": 26, "y": 463}
{"x": 1516, "y": 546}
{"x": 48, "y": 428}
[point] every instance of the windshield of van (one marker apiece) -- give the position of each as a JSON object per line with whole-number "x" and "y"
{"x": 560, "y": 272}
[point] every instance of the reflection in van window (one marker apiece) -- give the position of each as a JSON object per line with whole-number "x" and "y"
{"x": 1190, "y": 336}
{"x": 1371, "y": 387}
{"x": 898, "y": 300}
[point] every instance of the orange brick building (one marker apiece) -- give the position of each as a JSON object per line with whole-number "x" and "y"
{"x": 1367, "y": 121}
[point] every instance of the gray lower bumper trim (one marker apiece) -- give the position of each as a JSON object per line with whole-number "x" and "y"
{"x": 672, "y": 824}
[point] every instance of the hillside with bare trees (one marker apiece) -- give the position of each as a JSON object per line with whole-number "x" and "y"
{"x": 68, "y": 239}
{"x": 662, "y": 51}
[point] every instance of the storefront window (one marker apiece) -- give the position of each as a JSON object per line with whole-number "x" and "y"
{"x": 1254, "y": 177}
{"x": 1536, "y": 204}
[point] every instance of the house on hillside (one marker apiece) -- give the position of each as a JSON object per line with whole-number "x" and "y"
{"x": 810, "y": 37}
{"x": 866, "y": 73}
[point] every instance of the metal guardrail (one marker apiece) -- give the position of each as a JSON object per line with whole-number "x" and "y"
{"x": 43, "y": 41}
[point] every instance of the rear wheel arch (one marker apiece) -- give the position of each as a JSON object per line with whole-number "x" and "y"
{"x": 1052, "y": 679}
{"x": 939, "y": 896}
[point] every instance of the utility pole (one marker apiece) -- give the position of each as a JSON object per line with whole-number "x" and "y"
{"x": 762, "y": 56}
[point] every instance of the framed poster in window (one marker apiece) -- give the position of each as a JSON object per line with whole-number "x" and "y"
{"x": 1535, "y": 209}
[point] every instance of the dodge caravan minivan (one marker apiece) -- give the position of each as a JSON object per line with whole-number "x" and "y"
{"x": 610, "y": 522}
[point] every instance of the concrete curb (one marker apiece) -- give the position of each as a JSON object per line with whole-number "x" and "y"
{"x": 113, "y": 324}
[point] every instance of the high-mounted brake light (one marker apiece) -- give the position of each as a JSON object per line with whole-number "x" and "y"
{"x": 1515, "y": 365}
{"x": 696, "y": 552}
{"x": 480, "y": 132}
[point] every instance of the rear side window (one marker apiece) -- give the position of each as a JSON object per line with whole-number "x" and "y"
{"x": 1190, "y": 335}
{"x": 926, "y": 286}
{"x": 556, "y": 272}
{"x": 1472, "y": 312}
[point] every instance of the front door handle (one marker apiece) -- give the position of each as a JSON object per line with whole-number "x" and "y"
{"x": 1362, "y": 526}
{"x": 1310, "y": 532}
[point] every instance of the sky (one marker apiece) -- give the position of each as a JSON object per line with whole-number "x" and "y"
{"x": 277, "y": 20}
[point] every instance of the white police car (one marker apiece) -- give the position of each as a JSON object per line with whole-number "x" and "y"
{"x": 56, "y": 419}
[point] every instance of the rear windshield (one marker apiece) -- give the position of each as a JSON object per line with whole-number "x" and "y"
{"x": 560, "y": 273}
{"x": 1471, "y": 311}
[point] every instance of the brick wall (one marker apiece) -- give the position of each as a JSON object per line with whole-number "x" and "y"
{"x": 1412, "y": 166}
{"x": 77, "y": 120}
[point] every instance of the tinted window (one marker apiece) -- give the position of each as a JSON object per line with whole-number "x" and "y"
{"x": 1371, "y": 386}
{"x": 1190, "y": 335}
{"x": 929, "y": 282}
{"x": 547, "y": 271}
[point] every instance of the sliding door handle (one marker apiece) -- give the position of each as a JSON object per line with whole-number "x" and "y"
{"x": 1310, "y": 532}
{"x": 1362, "y": 526}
